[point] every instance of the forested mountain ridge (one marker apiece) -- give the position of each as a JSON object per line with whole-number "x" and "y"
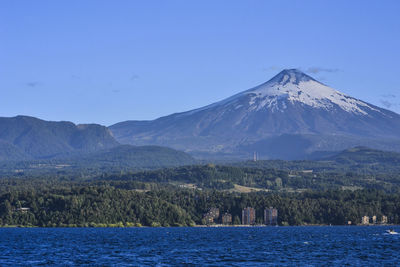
{"x": 28, "y": 143}
{"x": 24, "y": 137}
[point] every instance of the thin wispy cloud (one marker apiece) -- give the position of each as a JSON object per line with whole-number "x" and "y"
{"x": 75, "y": 77}
{"x": 388, "y": 96}
{"x": 312, "y": 70}
{"x": 134, "y": 77}
{"x": 389, "y": 101}
{"x": 316, "y": 70}
{"x": 33, "y": 84}
{"x": 386, "y": 103}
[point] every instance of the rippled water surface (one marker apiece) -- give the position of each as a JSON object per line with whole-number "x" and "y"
{"x": 253, "y": 246}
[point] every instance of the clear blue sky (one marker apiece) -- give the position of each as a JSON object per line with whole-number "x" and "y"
{"x": 110, "y": 61}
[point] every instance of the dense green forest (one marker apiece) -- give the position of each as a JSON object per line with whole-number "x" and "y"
{"x": 335, "y": 190}
{"x": 110, "y": 206}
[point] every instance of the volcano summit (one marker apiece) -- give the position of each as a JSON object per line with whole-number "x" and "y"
{"x": 290, "y": 116}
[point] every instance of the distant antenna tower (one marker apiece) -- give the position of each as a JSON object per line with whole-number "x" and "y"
{"x": 255, "y": 156}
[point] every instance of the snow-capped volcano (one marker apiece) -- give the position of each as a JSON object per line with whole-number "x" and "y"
{"x": 290, "y": 109}
{"x": 295, "y": 86}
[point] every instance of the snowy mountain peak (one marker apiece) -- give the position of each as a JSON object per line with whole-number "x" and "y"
{"x": 291, "y": 76}
{"x": 292, "y": 86}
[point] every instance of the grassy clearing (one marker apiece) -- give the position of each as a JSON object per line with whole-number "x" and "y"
{"x": 246, "y": 189}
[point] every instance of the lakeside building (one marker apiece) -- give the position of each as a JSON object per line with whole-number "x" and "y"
{"x": 227, "y": 218}
{"x": 208, "y": 219}
{"x": 248, "y": 216}
{"x": 271, "y": 216}
{"x": 211, "y": 216}
{"x": 365, "y": 220}
{"x": 214, "y": 212}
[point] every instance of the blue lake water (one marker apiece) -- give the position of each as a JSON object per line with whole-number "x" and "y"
{"x": 252, "y": 246}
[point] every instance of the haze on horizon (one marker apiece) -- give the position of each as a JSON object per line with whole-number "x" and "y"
{"x": 106, "y": 62}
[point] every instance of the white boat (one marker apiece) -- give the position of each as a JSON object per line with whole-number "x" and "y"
{"x": 391, "y": 232}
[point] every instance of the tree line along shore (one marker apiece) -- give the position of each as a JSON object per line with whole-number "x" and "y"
{"x": 304, "y": 193}
{"x": 108, "y": 206}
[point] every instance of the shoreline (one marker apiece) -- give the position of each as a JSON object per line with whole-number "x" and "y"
{"x": 198, "y": 226}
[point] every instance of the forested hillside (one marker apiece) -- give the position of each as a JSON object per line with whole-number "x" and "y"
{"x": 109, "y": 192}
{"x": 32, "y": 138}
{"x": 117, "y": 159}
{"x": 269, "y": 179}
